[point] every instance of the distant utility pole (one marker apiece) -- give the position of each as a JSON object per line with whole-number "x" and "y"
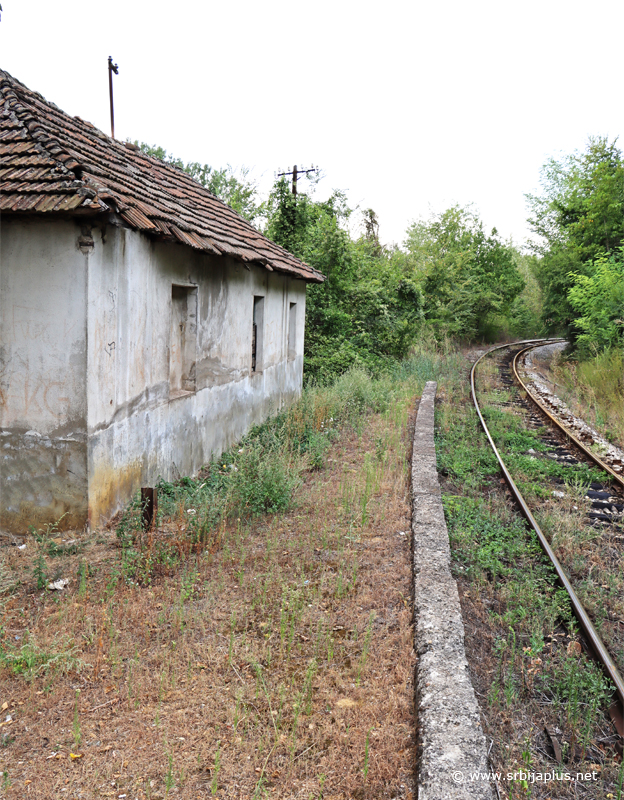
{"x": 112, "y": 68}
{"x": 295, "y": 173}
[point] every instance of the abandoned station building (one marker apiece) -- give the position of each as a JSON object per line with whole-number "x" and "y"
{"x": 144, "y": 325}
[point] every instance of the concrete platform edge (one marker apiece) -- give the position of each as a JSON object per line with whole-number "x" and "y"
{"x": 452, "y": 752}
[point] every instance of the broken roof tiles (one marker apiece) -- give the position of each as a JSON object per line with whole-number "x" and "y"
{"x": 50, "y": 161}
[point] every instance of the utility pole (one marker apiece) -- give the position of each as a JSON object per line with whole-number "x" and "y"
{"x": 295, "y": 173}
{"x": 112, "y": 68}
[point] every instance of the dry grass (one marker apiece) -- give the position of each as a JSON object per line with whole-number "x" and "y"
{"x": 594, "y": 561}
{"x": 593, "y": 391}
{"x": 279, "y": 664}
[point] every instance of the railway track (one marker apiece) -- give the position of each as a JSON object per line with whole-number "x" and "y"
{"x": 604, "y": 494}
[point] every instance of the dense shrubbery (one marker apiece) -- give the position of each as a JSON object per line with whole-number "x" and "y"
{"x": 598, "y": 300}
{"x": 579, "y": 219}
{"x": 471, "y": 281}
{"x": 450, "y": 279}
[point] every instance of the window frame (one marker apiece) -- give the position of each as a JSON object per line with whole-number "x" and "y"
{"x": 188, "y": 343}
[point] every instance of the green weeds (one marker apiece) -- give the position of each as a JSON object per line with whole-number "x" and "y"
{"x": 32, "y": 659}
{"x": 580, "y": 689}
{"x": 77, "y": 733}
{"x": 214, "y": 784}
{"x": 262, "y": 473}
{"x": 459, "y": 455}
{"x": 40, "y": 571}
{"x": 502, "y": 564}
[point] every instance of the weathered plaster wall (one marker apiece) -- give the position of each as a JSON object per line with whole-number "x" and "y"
{"x": 138, "y": 431}
{"x": 86, "y": 412}
{"x": 43, "y": 403}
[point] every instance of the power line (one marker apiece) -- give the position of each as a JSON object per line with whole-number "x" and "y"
{"x": 295, "y": 173}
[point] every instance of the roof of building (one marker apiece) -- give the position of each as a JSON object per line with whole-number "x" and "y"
{"x": 51, "y": 162}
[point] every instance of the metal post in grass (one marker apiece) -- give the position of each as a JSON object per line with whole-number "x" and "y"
{"x": 149, "y": 506}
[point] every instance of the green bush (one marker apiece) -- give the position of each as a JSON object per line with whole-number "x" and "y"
{"x": 261, "y": 481}
{"x": 598, "y": 299}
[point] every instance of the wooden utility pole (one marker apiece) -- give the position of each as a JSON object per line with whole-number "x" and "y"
{"x": 112, "y": 68}
{"x": 295, "y": 173}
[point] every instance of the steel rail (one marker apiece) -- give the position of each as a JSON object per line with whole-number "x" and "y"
{"x": 585, "y": 622}
{"x": 618, "y": 478}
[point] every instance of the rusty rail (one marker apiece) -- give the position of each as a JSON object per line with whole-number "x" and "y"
{"x": 555, "y": 421}
{"x": 587, "y": 626}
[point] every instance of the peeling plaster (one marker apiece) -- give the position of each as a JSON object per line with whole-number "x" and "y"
{"x": 85, "y": 398}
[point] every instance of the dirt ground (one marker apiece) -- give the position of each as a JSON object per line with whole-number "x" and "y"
{"x": 280, "y": 664}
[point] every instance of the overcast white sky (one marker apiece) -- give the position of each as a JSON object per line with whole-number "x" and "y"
{"x": 405, "y": 106}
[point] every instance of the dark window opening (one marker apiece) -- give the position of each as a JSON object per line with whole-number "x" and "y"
{"x": 292, "y": 332}
{"x": 183, "y": 340}
{"x": 256, "y": 334}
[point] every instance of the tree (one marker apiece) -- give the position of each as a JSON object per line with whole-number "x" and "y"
{"x": 367, "y": 311}
{"x": 233, "y": 186}
{"x": 289, "y": 218}
{"x": 371, "y": 230}
{"x": 598, "y": 301}
{"x": 578, "y": 218}
{"x": 467, "y": 277}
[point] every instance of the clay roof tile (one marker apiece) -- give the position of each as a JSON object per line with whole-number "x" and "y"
{"x": 50, "y": 161}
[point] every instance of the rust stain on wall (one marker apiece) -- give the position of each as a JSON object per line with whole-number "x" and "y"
{"x": 109, "y": 490}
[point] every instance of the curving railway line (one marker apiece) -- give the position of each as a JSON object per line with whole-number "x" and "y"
{"x": 605, "y": 496}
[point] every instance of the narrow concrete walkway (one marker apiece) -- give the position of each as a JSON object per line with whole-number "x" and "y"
{"x": 452, "y": 753}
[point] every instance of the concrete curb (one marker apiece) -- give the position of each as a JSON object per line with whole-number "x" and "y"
{"x": 451, "y": 744}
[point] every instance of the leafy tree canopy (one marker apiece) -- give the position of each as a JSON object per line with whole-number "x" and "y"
{"x": 598, "y": 301}
{"x": 467, "y": 277}
{"x": 578, "y": 219}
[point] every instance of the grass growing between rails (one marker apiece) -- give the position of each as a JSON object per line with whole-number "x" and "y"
{"x": 543, "y": 701}
{"x": 247, "y": 654}
{"x": 591, "y": 556}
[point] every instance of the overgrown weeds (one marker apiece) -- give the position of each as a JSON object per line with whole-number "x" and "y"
{"x": 33, "y": 658}
{"x": 262, "y": 472}
{"x": 269, "y": 648}
{"x": 522, "y": 641}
